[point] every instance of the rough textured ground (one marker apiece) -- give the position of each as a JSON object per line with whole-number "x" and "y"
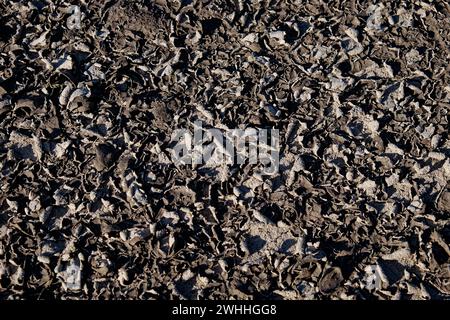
{"x": 90, "y": 208}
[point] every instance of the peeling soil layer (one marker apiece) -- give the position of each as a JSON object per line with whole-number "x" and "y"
{"x": 91, "y": 207}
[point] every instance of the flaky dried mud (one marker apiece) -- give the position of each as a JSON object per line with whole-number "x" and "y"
{"x": 91, "y": 206}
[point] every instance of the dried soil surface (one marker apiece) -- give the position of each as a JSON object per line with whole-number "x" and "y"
{"x": 92, "y": 207}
